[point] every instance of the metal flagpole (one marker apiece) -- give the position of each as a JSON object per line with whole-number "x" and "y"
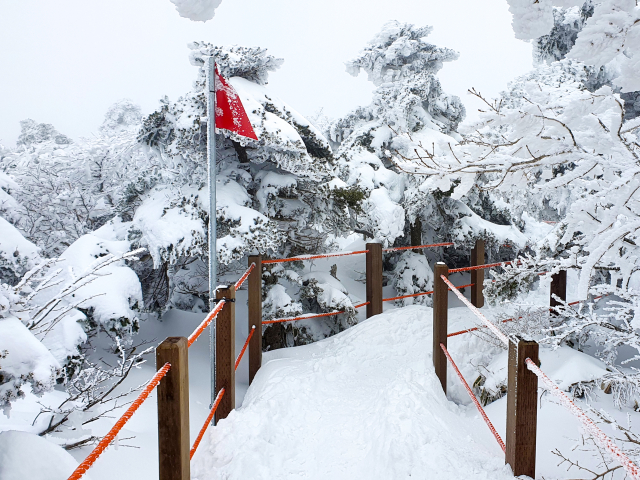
{"x": 211, "y": 157}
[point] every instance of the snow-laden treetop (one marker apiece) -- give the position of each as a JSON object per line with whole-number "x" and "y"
{"x": 251, "y": 63}
{"x": 609, "y": 38}
{"x": 197, "y": 10}
{"x": 398, "y": 52}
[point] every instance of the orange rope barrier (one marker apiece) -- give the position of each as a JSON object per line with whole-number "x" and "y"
{"x": 244, "y": 277}
{"x": 312, "y": 257}
{"x": 477, "y": 328}
{"x": 508, "y": 320}
{"x": 604, "y": 441}
{"x": 594, "y": 298}
{"x": 198, "y": 331}
{"x": 244, "y": 348}
{"x": 421, "y": 293}
{"x": 419, "y": 246}
{"x": 487, "y": 265}
{"x": 475, "y": 400}
{"x": 475, "y": 310}
{"x": 407, "y": 296}
{"x": 206, "y": 424}
{"x": 306, "y": 317}
{"x": 479, "y": 267}
{"x": 108, "y": 438}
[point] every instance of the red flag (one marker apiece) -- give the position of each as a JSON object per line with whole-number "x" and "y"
{"x": 230, "y": 113}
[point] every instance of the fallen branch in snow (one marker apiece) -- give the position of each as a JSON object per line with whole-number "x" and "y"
{"x": 597, "y": 476}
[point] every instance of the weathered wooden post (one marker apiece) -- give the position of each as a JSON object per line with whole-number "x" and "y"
{"x": 559, "y": 288}
{"x": 173, "y": 410}
{"x": 374, "y": 279}
{"x": 225, "y": 351}
{"x": 477, "y": 276}
{"x": 255, "y": 315}
{"x": 440, "y": 306}
{"x": 522, "y": 409}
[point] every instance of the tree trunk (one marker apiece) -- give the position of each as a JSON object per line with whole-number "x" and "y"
{"x": 241, "y": 152}
{"x": 416, "y": 234}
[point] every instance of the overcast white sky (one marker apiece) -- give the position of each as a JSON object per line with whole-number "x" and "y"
{"x": 66, "y": 61}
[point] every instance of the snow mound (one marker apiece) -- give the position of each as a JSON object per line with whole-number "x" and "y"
{"x": 563, "y": 365}
{"x": 116, "y": 291}
{"x": 197, "y": 10}
{"x": 16, "y": 250}
{"x": 27, "y": 456}
{"x": 23, "y": 358}
{"x": 363, "y": 404}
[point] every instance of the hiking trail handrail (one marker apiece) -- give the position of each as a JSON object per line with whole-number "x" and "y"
{"x": 173, "y": 405}
{"x": 524, "y": 372}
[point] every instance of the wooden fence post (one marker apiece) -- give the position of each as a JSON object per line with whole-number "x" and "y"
{"x": 440, "y": 306}
{"x": 255, "y": 315}
{"x": 522, "y": 409}
{"x": 374, "y": 279}
{"x": 225, "y": 352}
{"x": 559, "y": 288}
{"x": 477, "y": 276}
{"x": 173, "y": 410}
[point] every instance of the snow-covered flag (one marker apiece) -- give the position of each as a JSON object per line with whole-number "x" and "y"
{"x": 230, "y": 113}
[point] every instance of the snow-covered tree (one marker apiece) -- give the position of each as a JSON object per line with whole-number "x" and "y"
{"x": 609, "y": 33}
{"x": 197, "y": 10}
{"x": 409, "y": 107}
{"x": 274, "y": 195}
{"x": 33, "y": 133}
{"x": 63, "y": 190}
{"x": 559, "y": 146}
{"x": 121, "y": 116}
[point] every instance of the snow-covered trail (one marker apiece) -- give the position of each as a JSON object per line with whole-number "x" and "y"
{"x": 363, "y": 404}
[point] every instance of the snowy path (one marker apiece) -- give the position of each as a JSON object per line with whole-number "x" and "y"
{"x": 364, "y": 404}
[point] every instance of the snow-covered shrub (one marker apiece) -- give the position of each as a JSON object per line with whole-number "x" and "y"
{"x": 412, "y": 274}
{"x": 23, "y": 358}
{"x": 316, "y": 292}
{"x": 278, "y": 304}
{"x": 323, "y": 293}
{"x": 46, "y": 319}
{"x": 514, "y": 280}
{"x": 17, "y": 254}
{"x": 58, "y": 303}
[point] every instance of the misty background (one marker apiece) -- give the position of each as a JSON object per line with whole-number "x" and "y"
{"x": 66, "y": 62}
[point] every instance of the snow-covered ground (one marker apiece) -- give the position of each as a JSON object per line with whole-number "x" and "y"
{"x": 366, "y": 404}
{"x": 363, "y": 404}
{"x": 360, "y": 405}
